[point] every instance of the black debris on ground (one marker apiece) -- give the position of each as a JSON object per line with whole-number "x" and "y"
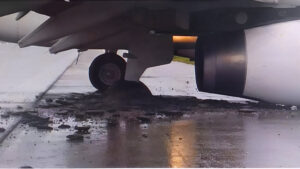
{"x": 2, "y": 130}
{"x": 19, "y": 107}
{"x": 130, "y": 105}
{"x": 44, "y": 127}
{"x": 62, "y": 102}
{"x": 5, "y": 115}
{"x": 80, "y": 116}
{"x": 49, "y": 100}
{"x": 75, "y": 137}
{"x": 82, "y": 129}
{"x": 26, "y": 167}
{"x": 144, "y": 107}
{"x": 63, "y": 113}
{"x": 64, "y": 126}
{"x": 34, "y": 120}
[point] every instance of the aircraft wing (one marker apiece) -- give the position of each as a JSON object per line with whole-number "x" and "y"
{"x": 46, "y": 7}
{"x": 76, "y": 23}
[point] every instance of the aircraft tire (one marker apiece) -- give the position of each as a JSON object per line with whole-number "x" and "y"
{"x": 107, "y": 70}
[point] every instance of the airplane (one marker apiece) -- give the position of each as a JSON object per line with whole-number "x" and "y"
{"x": 244, "y": 48}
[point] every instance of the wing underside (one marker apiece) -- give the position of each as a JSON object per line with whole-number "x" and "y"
{"x": 84, "y": 24}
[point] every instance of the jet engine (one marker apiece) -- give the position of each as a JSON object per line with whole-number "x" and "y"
{"x": 261, "y": 63}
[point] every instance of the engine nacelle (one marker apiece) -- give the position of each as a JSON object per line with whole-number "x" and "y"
{"x": 261, "y": 63}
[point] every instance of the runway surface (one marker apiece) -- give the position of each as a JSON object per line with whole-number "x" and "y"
{"x": 173, "y": 128}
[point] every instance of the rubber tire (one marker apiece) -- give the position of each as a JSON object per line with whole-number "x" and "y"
{"x": 199, "y": 63}
{"x": 101, "y": 60}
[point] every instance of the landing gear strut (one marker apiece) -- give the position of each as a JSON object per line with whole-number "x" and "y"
{"x": 107, "y": 70}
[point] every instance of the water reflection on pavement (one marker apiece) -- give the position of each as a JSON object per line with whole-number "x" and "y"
{"x": 161, "y": 133}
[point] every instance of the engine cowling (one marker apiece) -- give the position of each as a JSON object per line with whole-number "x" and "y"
{"x": 261, "y": 63}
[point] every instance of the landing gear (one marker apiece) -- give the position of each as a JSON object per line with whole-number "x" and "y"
{"x": 107, "y": 70}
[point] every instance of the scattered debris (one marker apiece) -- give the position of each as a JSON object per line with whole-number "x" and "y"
{"x": 62, "y": 102}
{"x": 82, "y": 129}
{"x": 32, "y": 112}
{"x": 26, "y": 167}
{"x": 2, "y": 130}
{"x": 34, "y": 123}
{"x": 138, "y": 113}
{"x": 64, "y": 126}
{"x": 75, "y": 137}
{"x": 5, "y": 115}
{"x": 63, "y": 113}
{"x": 44, "y": 127}
{"x": 44, "y": 120}
{"x": 33, "y": 120}
{"x": 48, "y": 100}
{"x": 19, "y": 107}
{"x": 125, "y": 93}
{"x": 19, "y": 113}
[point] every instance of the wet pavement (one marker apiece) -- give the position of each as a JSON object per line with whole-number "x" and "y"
{"x": 74, "y": 126}
{"x": 78, "y": 130}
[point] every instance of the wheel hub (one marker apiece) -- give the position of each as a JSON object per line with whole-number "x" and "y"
{"x": 109, "y": 74}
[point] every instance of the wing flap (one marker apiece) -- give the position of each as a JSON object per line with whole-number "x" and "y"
{"x": 71, "y": 21}
{"x": 91, "y": 35}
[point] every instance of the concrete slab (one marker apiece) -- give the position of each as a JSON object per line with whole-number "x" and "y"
{"x": 25, "y": 73}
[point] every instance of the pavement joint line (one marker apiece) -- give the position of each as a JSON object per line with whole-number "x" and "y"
{"x": 10, "y": 129}
{"x": 16, "y": 123}
{"x": 40, "y": 97}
